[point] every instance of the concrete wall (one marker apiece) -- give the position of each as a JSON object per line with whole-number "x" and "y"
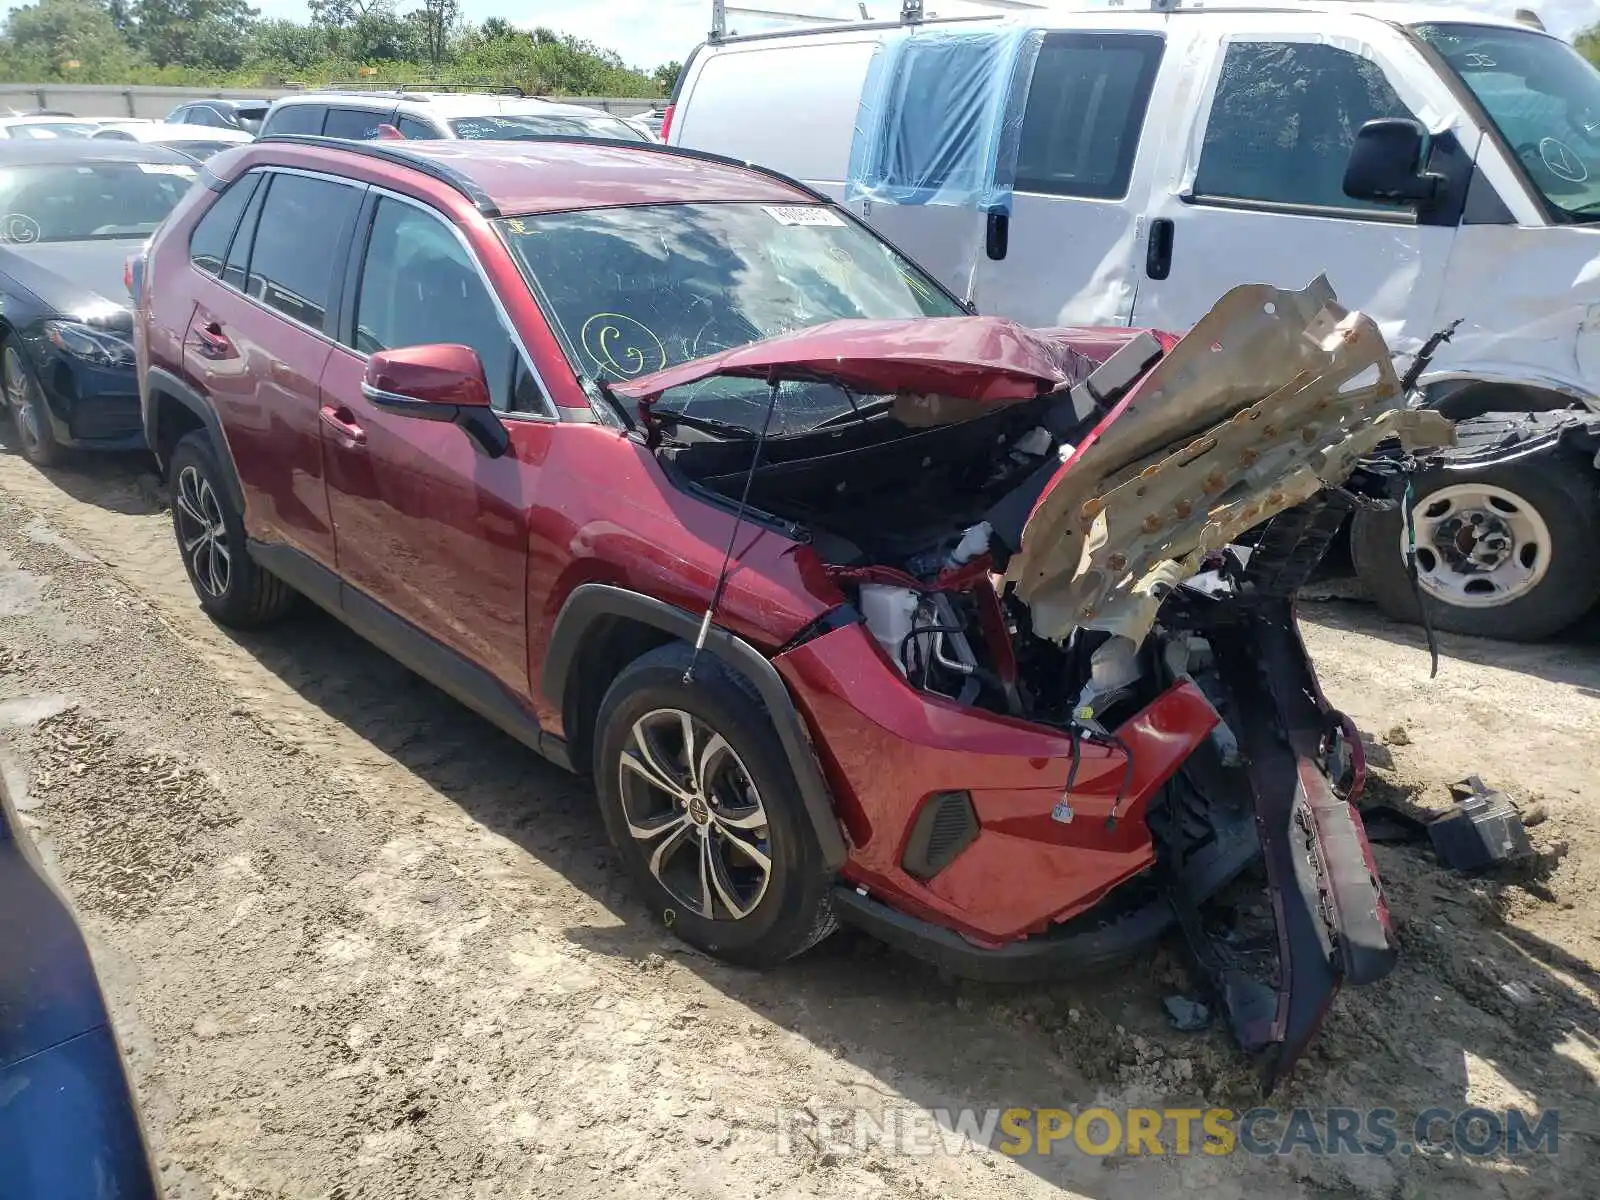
{"x": 111, "y": 100}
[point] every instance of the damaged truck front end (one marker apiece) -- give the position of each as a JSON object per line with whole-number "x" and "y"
{"x": 1062, "y": 702}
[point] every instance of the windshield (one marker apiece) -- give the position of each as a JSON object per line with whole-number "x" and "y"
{"x": 72, "y": 202}
{"x": 1543, "y": 96}
{"x": 511, "y": 129}
{"x": 631, "y": 291}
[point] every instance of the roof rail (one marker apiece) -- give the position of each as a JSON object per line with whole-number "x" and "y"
{"x": 400, "y": 156}
{"x": 426, "y": 85}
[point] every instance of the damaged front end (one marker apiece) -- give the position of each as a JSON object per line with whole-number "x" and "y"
{"x": 1062, "y": 703}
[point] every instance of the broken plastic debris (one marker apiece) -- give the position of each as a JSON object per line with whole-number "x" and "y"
{"x": 1036, "y": 441}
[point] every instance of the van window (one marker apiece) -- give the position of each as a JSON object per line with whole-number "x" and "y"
{"x": 302, "y": 226}
{"x": 1085, "y": 109}
{"x": 416, "y": 130}
{"x": 1284, "y": 120}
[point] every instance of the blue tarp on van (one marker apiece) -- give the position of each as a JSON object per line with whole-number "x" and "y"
{"x": 941, "y": 117}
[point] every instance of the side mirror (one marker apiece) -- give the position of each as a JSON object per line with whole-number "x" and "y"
{"x": 436, "y": 383}
{"x": 1386, "y": 163}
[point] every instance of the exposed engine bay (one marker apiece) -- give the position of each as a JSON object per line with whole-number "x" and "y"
{"x": 1067, "y": 558}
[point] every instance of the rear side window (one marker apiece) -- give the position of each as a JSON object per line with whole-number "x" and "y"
{"x": 417, "y": 130}
{"x": 1284, "y": 121}
{"x": 298, "y": 243}
{"x": 358, "y": 124}
{"x": 208, "y": 244}
{"x": 296, "y": 118}
{"x": 1085, "y": 110}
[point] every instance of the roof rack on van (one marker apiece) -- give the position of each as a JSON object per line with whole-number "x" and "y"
{"x": 912, "y": 12}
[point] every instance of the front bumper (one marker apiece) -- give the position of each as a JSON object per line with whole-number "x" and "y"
{"x": 91, "y": 407}
{"x": 888, "y": 749}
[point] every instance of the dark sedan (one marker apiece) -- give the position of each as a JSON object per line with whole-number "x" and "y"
{"x": 71, "y": 212}
{"x": 68, "y": 1124}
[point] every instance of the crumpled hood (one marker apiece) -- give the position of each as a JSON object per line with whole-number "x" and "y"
{"x": 983, "y": 359}
{"x": 1270, "y": 397}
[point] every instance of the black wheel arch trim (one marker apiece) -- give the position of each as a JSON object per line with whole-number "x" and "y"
{"x": 590, "y": 602}
{"x": 165, "y": 382}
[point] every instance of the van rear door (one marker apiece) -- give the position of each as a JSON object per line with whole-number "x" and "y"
{"x": 1251, "y": 189}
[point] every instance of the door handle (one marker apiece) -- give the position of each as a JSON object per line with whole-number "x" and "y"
{"x": 343, "y": 422}
{"x": 213, "y": 342}
{"x": 1158, "y": 250}
{"x": 997, "y": 235}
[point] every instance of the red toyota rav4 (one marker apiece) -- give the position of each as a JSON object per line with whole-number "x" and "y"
{"x": 857, "y": 607}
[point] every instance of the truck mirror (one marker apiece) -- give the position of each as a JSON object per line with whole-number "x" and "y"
{"x": 1386, "y": 163}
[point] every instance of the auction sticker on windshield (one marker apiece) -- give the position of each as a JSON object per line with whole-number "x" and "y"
{"x": 167, "y": 169}
{"x": 806, "y": 214}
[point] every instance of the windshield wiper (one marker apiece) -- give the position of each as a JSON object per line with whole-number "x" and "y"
{"x": 705, "y": 424}
{"x": 859, "y": 412}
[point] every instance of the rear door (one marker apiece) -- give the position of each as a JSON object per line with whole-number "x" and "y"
{"x": 1067, "y": 254}
{"x": 1255, "y": 193}
{"x": 260, "y": 336}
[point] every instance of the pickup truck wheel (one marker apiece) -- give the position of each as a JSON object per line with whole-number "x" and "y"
{"x": 700, "y": 802}
{"x": 232, "y": 588}
{"x": 1508, "y": 551}
{"x": 35, "y": 439}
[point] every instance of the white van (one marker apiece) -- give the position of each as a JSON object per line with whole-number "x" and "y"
{"x": 1119, "y": 166}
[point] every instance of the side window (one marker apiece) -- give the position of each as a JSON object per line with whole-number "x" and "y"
{"x": 208, "y": 244}
{"x": 238, "y": 264}
{"x": 1284, "y": 120}
{"x": 419, "y": 286}
{"x": 203, "y": 114}
{"x": 296, "y": 253}
{"x": 358, "y": 124}
{"x": 416, "y": 130}
{"x": 179, "y": 116}
{"x": 1085, "y": 110}
{"x": 296, "y": 118}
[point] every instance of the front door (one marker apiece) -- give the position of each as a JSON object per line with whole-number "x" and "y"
{"x": 1255, "y": 194}
{"x": 426, "y": 524}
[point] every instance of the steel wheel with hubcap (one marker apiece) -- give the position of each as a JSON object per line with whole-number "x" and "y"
{"x": 1509, "y": 550}
{"x": 35, "y": 438}
{"x": 701, "y": 803}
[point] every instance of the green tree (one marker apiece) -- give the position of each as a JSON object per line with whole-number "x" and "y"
{"x": 666, "y": 75}
{"x": 42, "y": 38}
{"x": 211, "y": 34}
{"x": 1588, "y": 43}
{"x": 497, "y": 29}
{"x": 436, "y": 17}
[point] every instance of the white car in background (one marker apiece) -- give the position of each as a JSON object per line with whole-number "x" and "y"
{"x": 505, "y": 116}
{"x": 43, "y": 127}
{"x": 197, "y": 141}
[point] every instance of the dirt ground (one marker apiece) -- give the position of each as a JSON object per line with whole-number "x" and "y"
{"x": 359, "y": 944}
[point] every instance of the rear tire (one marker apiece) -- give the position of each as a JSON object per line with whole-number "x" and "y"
{"x": 1547, "y": 509}
{"x": 231, "y": 587}
{"x": 36, "y": 441}
{"x": 717, "y": 839}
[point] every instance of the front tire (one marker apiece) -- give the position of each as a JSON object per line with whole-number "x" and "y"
{"x": 35, "y": 439}
{"x": 1508, "y": 551}
{"x": 700, "y": 802}
{"x": 231, "y": 587}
